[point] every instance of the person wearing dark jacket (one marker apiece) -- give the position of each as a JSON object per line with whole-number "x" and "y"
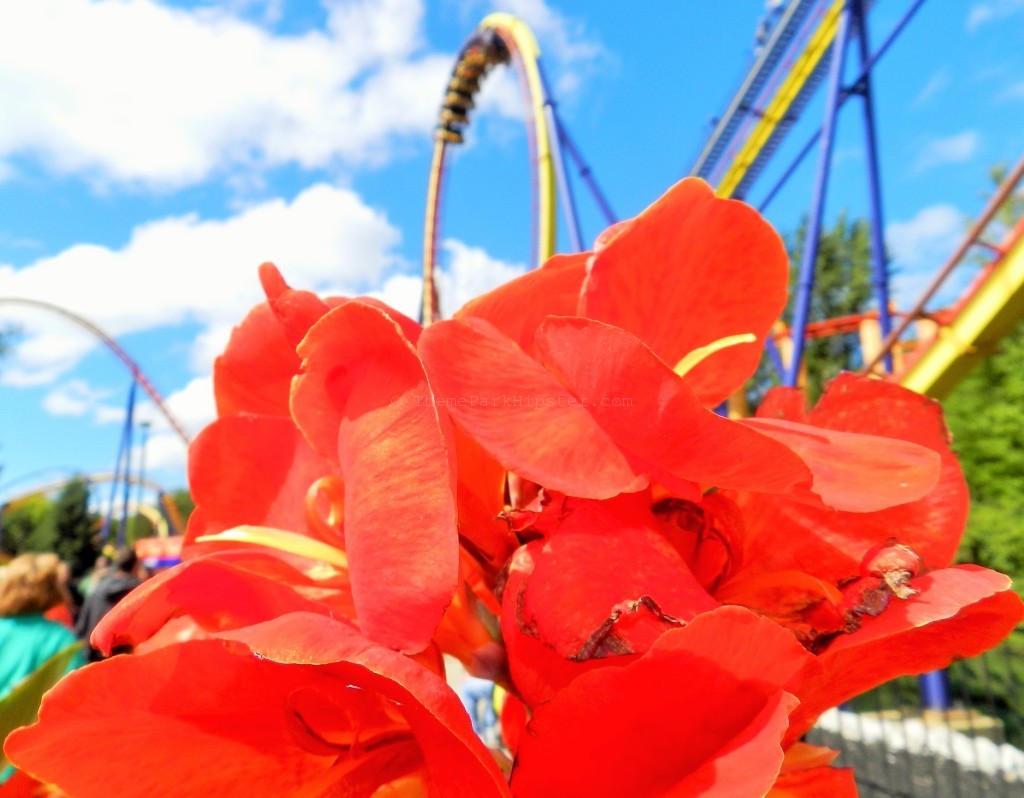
{"x": 116, "y": 583}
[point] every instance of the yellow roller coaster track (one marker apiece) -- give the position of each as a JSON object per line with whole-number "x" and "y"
{"x": 788, "y": 91}
{"x": 990, "y": 312}
{"x": 499, "y": 39}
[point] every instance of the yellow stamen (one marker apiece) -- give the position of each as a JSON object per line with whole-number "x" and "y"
{"x": 698, "y": 355}
{"x": 282, "y": 541}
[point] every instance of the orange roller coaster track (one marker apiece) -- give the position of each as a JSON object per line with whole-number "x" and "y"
{"x": 137, "y": 372}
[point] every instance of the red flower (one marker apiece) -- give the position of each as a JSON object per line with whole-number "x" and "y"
{"x": 344, "y": 397}
{"x": 779, "y": 534}
{"x": 702, "y": 712}
{"x": 593, "y": 410}
{"x": 300, "y": 706}
{"x": 586, "y": 499}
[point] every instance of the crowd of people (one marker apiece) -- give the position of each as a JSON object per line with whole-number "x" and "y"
{"x": 42, "y": 612}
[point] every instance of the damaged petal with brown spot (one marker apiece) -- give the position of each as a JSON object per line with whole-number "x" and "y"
{"x": 895, "y": 564}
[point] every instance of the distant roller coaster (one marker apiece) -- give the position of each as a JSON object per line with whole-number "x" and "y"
{"x": 502, "y": 39}
{"x": 137, "y": 373}
{"x": 166, "y": 519}
{"x": 805, "y": 47}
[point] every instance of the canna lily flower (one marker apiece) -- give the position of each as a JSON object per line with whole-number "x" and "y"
{"x": 701, "y": 712}
{"x": 342, "y": 398}
{"x": 609, "y": 360}
{"x": 302, "y": 705}
{"x": 670, "y": 597}
{"x": 832, "y": 544}
{"x": 689, "y": 271}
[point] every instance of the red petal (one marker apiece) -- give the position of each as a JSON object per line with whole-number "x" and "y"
{"x": 222, "y": 591}
{"x": 253, "y": 470}
{"x": 246, "y": 725}
{"x": 363, "y": 397}
{"x": 411, "y": 329}
{"x": 701, "y": 713}
{"x": 815, "y": 783}
{"x": 481, "y": 493}
{"x": 521, "y": 413}
{"x": 296, "y": 311}
{"x": 518, "y": 307}
{"x": 692, "y": 269}
{"x": 572, "y": 593}
{"x": 932, "y": 526}
{"x": 960, "y": 612}
{"x": 861, "y": 473}
{"x": 647, "y": 409}
{"x": 254, "y": 373}
{"x": 563, "y": 606}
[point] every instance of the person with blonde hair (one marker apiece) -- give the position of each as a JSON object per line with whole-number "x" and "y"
{"x": 31, "y": 584}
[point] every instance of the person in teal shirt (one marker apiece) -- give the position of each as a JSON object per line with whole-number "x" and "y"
{"x": 30, "y": 585}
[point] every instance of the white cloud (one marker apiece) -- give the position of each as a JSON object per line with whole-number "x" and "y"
{"x": 142, "y": 93}
{"x": 403, "y": 292}
{"x": 982, "y": 13}
{"x": 927, "y": 237}
{"x": 464, "y": 272}
{"x": 469, "y": 272}
{"x": 73, "y": 398}
{"x": 951, "y": 149}
{"x": 151, "y": 96}
{"x": 191, "y": 270}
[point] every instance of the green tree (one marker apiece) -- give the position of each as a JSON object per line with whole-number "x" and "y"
{"x": 25, "y": 525}
{"x": 183, "y": 501}
{"x": 75, "y": 527}
{"x": 842, "y": 287}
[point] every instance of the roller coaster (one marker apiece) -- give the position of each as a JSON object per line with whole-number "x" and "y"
{"x": 802, "y": 48}
{"x": 163, "y": 514}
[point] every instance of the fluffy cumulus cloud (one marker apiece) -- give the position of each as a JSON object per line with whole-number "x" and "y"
{"x": 919, "y": 246}
{"x": 150, "y": 95}
{"x": 957, "y": 148}
{"x": 928, "y": 236}
{"x": 73, "y": 398}
{"x": 191, "y": 270}
{"x": 468, "y": 272}
{"x": 145, "y": 93}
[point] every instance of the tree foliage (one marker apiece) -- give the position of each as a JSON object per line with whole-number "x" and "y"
{"x": 75, "y": 527}
{"x": 985, "y": 413}
{"x": 986, "y": 416}
{"x": 64, "y": 525}
{"x": 842, "y": 287}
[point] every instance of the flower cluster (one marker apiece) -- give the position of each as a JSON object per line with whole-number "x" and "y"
{"x": 669, "y": 597}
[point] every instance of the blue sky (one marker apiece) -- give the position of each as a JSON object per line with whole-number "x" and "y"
{"x": 152, "y": 154}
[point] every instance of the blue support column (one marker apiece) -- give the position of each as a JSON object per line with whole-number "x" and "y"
{"x": 129, "y": 430}
{"x": 119, "y": 463}
{"x": 879, "y": 260}
{"x": 934, "y": 688}
{"x": 802, "y": 305}
{"x": 564, "y": 187}
{"x": 587, "y": 176}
